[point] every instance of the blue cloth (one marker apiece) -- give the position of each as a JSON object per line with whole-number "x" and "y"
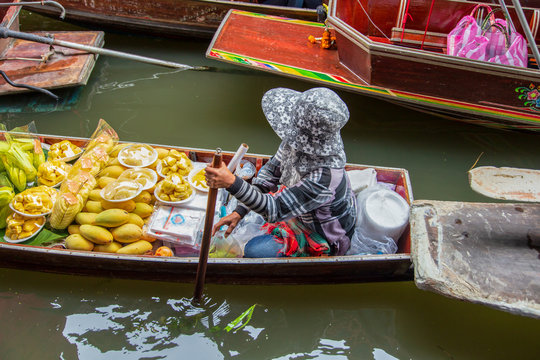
{"x": 263, "y": 246}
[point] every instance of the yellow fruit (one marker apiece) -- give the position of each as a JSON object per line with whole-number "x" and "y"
{"x": 73, "y": 229}
{"x": 113, "y": 161}
{"x": 144, "y": 197}
{"x": 143, "y": 210}
{"x": 104, "y": 181}
{"x": 77, "y": 242}
{"x": 85, "y": 218}
{"x": 108, "y": 248}
{"x": 164, "y": 251}
{"x": 112, "y": 218}
{"x": 116, "y": 149}
{"x": 136, "y": 220}
{"x": 93, "y": 206}
{"x": 113, "y": 171}
{"x": 96, "y": 234}
{"x": 162, "y": 152}
{"x": 127, "y": 233}
{"x": 95, "y": 195}
{"x": 137, "y": 248}
{"x": 128, "y": 205}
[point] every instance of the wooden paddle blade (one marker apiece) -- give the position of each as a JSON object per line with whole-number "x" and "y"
{"x": 506, "y": 183}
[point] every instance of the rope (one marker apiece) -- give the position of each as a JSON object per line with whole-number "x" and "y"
{"x": 371, "y": 21}
{"x": 427, "y": 24}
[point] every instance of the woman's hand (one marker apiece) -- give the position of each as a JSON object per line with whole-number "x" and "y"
{"x": 219, "y": 177}
{"x": 230, "y": 220}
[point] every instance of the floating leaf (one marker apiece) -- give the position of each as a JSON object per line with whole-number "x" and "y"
{"x": 246, "y": 314}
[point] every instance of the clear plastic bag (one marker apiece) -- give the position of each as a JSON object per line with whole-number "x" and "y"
{"x": 233, "y": 245}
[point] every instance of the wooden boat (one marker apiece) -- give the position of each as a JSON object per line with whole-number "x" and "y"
{"x": 377, "y": 55}
{"x": 484, "y": 253}
{"x": 506, "y": 183}
{"x": 309, "y": 270}
{"x": 197, "y": 18}
{"x": 41, "y": 65}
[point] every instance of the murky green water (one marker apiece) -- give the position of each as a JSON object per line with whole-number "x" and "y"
{"x": 45, "y": 316}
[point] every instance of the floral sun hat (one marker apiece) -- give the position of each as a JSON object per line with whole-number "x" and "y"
{"x": 309, "y": 121}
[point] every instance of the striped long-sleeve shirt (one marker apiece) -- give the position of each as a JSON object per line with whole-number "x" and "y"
{"x": 322, "y": 200}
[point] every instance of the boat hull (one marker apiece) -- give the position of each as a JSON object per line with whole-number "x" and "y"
{"x": 306, "y": 270}
{"x": 462, "y": 89}
{"x": 172, "y": 18}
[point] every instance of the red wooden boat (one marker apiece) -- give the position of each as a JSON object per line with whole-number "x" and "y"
{"x": 197, "y": 18}
{"x": 307, "y": 270}
{"x": 377, "y": 55}
{"x": 41, "y": 65}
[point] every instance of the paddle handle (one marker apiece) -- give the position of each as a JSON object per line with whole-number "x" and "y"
{"x": 207, "y": 233}
{"x": 5, "y": 33}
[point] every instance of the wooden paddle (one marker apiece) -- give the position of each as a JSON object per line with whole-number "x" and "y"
{"x": 207, "y": 233}
{"x": 5, "y": 33}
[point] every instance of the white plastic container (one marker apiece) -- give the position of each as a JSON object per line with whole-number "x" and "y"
{"x": 382, "y": 212}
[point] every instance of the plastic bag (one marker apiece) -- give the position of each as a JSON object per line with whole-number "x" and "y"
{"x": 382, "y": 216}
{"x": 233, "y": 245}
{"x": 81, "y": 179}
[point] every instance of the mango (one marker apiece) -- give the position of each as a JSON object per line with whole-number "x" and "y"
{"x": 96, "y": 234}
{"x": 93, "y": 206}
{"x": 143, "y": 210}
{"x": 144, "y": 197}
{"x": 95, "y": 195}
{"x": 127, "y": 233}
{"x": 128, "y": 205}
{"x": 147, "y": 237}
{"x": 77, "y": 242}
{"x": 135, "y": 219}
{"x": 112, "y": 218}
{"x": 161, "y": 152}
{"x": 73, "y": 229}
{"x": 85, "y": 218}
{"x": 117, "y": 148}
{"x": 137, "y": 248}
{"x": 113, "y": 161}
{"x": 111, "y": 247}
{"x": 104, "y": 181}
{"x": 112, "y": 171}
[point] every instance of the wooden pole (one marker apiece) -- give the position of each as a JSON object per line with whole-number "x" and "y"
{"x": 5, "y": 33}
{"x": 207, "y": 233}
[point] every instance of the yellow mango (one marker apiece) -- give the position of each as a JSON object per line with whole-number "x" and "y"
{"x": 135, "y": 219}
{"x": 87, "y": 218}
{"x": 73, "y": 229}
{"x": 111, "y": 247}
{"x": 95, "y": 195}
{"x": 127, "y": 233}
{"x": 116, "y": 149}
{"x": 112, "y": 218}
{"x": 143, "y": 210}
{"x": 113, "y": 161}
{"x": 144, "y": 197}
{"x": 128, "y": 205}
{"x": 104, "y": 181}
{"x": 137, "y": 248}
{"x": 112, "y": 171}
{"x": 77, "y": 242}
{"x": 96, "y": 234}
{"x": 93, "y": 207}
{"x": 162, "y": 152}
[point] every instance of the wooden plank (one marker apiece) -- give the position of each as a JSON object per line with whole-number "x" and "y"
{"x": 506, "y": 183}
{"x": 478, "y": 252}
{"x": 65, "y": 67}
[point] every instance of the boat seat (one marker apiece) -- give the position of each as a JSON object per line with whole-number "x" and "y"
{"x": 415, "y": 38}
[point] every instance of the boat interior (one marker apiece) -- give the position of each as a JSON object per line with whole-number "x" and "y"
{"x": 422, "y": 24}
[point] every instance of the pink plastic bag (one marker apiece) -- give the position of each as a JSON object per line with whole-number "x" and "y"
{"x": 491, "y": 41}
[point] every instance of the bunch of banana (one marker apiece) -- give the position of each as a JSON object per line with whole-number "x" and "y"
{"x": 176, "y": 163}
{"x": 20, "y": 227}
{"x": 173, "y": 188}
{"x": 6, "y": 195}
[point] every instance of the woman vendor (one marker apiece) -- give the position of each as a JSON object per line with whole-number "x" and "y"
{"x": 315, "y": 211}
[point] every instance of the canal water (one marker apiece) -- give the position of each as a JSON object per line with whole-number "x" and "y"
{"x": 47, "y": 316}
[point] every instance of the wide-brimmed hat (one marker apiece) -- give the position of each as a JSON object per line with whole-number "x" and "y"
{"x": 309, "y": 121}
